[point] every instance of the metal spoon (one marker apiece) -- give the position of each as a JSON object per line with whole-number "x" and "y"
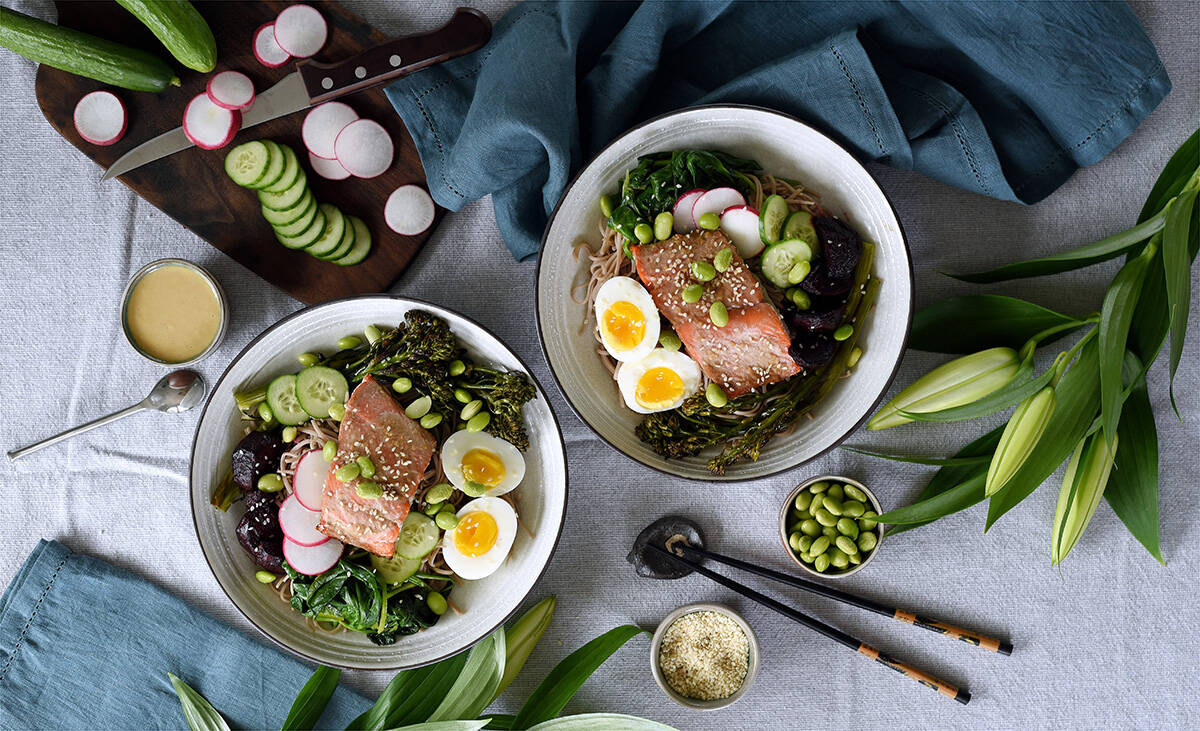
{"x": 176, "y": 392}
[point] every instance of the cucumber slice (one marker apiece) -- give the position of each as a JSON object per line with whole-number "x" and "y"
{"x": 291, "y": 172}
{"x": 780, "y": 258}
{"x": 300, "y": 225}
{"x": 799, "y": 226}
{"x": 274, "y": 168}
{"x": 289, "y": 215}
{"x": 286, "y": 199}
{"x": 770, "y": 220}
{"x": 418, "y": 536}
{"x": 362, "y": 244}
{"x": 308, "y": 235}
{"x": 318, "y": 388}
{"x": 247, "y": 163}
{"x": 395, "y": 569}
{"x": 344, "y": 246}
{"x": 281, "y": 397}
{"x": 335, "y": 226}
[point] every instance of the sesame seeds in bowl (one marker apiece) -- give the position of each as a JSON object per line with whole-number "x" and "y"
{"x": 704, "y": 656}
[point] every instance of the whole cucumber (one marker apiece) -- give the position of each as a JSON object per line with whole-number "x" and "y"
{"x": 180, "y": 28}
{"x": 83, "y": 54}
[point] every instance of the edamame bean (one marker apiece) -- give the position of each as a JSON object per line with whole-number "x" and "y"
{"x": 803, "y": 500}
{"x": 349, "y": 342}
{"x": 847, "y": 527}
{"x": 838, "y": 558}
{"x": 867, "y": 541}
{"x": 329, "y": 450}
{"x": 606, "y": 205}
{"x": 432, "y": 510}
{"x": 805, "y": 542}
{"x": 818, "y": 487}
{"x": 693, "y": 292}
{"x": 723, "y": 259}
{"x": 664, "y": 224}
{"x": 463, "y": 396}
{"x": 820, "y": 563}
{"x": 866, "y": 521}
{"x": 337, "y": 412}
{"x": 799, "y": 298}
{"x": 419, "y": 408}
{"x": 473, "y": 489}
{"x": 307, "y": 359}
{"x": 709, "y": 222}
{"x": 846, "y": 545}
{"x": 810, "y": 527}
{"x": 347, "y": 472}
{"x": 815, "y": 504}
{"x": 855, "y": 355}
{"x": 825, "y": 518}
{"x": 436, "y": 603}
{"x": 479, "y": 421}
{"x": 439, "y": 493}
{"x": 702, "y": 271}
{"x": 799, "y": 272}
{"x": 853, "y": 508}
{"x": 368, "y": 489}
{"x": 289, "y": 433}
{"x": 431, "y": 420}
{"x": 715, "y": 395}
{"x": 372, "y": 334}
{"x": 457, "y": 368}
{"x": 270, "y": 482}
{"x": 718, "y": 314}
{"x": 855, "y": 559}
{"x": 446, "y": 519}
{"x": 794, "y": 541}
{"x": 644, "y": 233}
{"x": 265, "y": 413}
{"x": 832, "y": 505}
{"x": 366, "y": 467}
{"x": 829, "y": 531}
{"x": 836, "y": 491}
{"x": 819, "y": 545}
{"x": 265, "y": 577}
{"x": 669, "y": 340}
{"x": 402, "y": 385}
{"x": 471, "y": 409}
{"x": 843, "y": 332}
{"x": 806, "y": 557}
{"x": 854, "y": 493}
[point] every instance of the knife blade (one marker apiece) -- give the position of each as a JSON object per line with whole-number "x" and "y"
{"x": 314, "y": 83}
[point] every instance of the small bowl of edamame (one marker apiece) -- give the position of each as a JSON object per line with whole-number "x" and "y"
{"x": 827, "y": 526}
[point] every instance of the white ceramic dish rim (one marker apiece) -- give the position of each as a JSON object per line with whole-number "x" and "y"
{"x": 416, "y": 303}
{"x": 694, "y": 703}
{"x": 783, "y": 534}
{"x": 712, "y": 477}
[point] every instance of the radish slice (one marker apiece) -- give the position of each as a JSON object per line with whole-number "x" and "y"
{"x": 328, "y": 169}
{"x": 683, "y": 211}
{"x": 301, "y": 31}
{"x": 209, "y": 126}
{"x": 312, "y": 560}
{"x": 299, "y": 523}
{"x": 715, "y": 201}
{"x": 740, "y": 224}
{"x": 266, "y": 50}
{"x": 409, "y": 210}
{"x": 322, "y": 125}
{"x": 230, "y": 90}
{"x": 308, "y": 484}
{"x": 364, "y": 148}
{"x": 100, "y": 118}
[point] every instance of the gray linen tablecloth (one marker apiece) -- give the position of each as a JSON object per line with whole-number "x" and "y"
{"x": 1108, "y": 640}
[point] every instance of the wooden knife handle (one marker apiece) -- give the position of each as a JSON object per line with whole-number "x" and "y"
{"x": 467, "y": 31}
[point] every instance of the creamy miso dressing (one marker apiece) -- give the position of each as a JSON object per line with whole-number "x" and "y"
{"x": 173, "y": 313}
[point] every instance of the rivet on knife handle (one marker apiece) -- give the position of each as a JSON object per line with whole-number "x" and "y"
{"x": 467, "y": 31}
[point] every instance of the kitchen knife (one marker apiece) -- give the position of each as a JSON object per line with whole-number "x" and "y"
{"x": 313, "y": 83}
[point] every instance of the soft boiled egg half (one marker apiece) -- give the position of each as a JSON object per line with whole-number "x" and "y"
{"x": 626, "y": 319}
{"x": 480, "y": 457}
{"x": 658, "y": 382}
{"x": 480, "y": 542}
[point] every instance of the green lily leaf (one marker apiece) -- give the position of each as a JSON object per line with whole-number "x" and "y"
{"x": 502, "y": 721}
{"x": 312, "y": 699}
{"x": 1177, "y": 267}
{"x": 476, "y": 684}
{"x": 1116, "y": 315}
{"x": 976, "y": 322}
{"x": 601, "y": 722}
{"x": 522, "y": 637}
{"x": 960, "y": 497}
{"x": 1023, "y": 385}
{"x": 411, "y": 695}
{"x": 549, "y": 698}
{"x": 1133, "y": 486}
{"x": 471, "y": 725}
{"x": 1077, "y": 258}
{"x": 914, "y": 459}
{"x": 200, "y": 714}
{"x": 1178, "y": 170}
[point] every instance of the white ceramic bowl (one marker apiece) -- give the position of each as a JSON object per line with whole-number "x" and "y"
{"x": 486, "y": 604}
{"x": 784, "y": 519}
{"x": 785, "y": 147}
{"x": 656, "y": 666}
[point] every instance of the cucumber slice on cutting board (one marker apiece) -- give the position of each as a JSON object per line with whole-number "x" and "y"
{"x": 344, "y": 246}
{"x": 281, "y": 397}
{"x": 331, "y": 238}
{"x": 275, "y": 166}
{"x": 307, "y": 236}
{"x": 290, "y": 215}
{"x": 291, "y": 172}
{"x": 418, "y": 536}
{"x": 286, "y": 199}
{"x": 362, "y": 244}
{"x": 318, "y": 388}
{"x": 297, "y": 227}
{"x": 247, "y": 163}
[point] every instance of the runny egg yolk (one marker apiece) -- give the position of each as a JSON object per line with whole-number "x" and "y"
{"x": 476, "y": 533}
{"x": 484, "y": 467}
{"x": 658, "y": 388}
{"x": 624, "y": 325}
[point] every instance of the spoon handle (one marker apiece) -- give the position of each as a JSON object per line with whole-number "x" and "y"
{"x": 139, "y": 406}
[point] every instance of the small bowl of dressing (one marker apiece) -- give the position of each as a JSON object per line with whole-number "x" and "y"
{"x": 174, "y": 312}
{"x": 704, "y": 656}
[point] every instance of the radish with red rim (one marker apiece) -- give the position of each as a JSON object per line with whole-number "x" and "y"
{"x": 326, "y": 168}
{"x": 409, "y": 210}
{"x": 364, "y": 148}
{"x": 682, "y": 213}
{"x": 299, "y": 523}
{"x": 308, "y": 482}
{"x": 740, "y": 224}
{"x": 208, "y": 126}
{"x": 322, "y": 125}
{"x": 715, "y": 201}
{"x": 230, "y": 90}
{"x": 301, "y": 30}
{"x": 266, "y": 50}
{"x": 100, "y": 118}
{"x": 312, "y": 560}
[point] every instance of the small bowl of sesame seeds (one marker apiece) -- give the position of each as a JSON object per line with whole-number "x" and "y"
{"x": 704, "y": 656}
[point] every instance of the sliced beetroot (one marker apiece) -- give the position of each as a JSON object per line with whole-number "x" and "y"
{"x": 740, "y": 224}
{"x": 839, "y": 246}
{"x": 409, "y": 210}
{"x": 299, "y": 523}
{"x": 308, "y": 482}
{"x": 364, "y": 148}
{"x": 266, "y": 50}
{"x": 257, "y": 454}
{"x": 812, "y": 350}
{"x": 715, "y": 201}
{"x": 301, "y": 30}
{"x": 816, "y": 320}
{"x": 312, "y": 560}
{"x": 819, "y": 282}
{"x": 328, "y": 169}
{"x": 322, "y": 125}
{"x": 100, "y": 118}
{"x": 208, "y": 126}
{"x": 258, "y": 531}
{"x": 230, "y": 90}
{"x": 683, "y": 211}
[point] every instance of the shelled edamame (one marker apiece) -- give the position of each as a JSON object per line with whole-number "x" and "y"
{"x": 831, "y": 527}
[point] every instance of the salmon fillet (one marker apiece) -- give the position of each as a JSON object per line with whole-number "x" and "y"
{"x": 748, "y": 353}
{"x": 376, "y": 426}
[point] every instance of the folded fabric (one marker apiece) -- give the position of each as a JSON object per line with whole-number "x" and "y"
{"x": 1002, "y": 98}
{"x": 85, "y": 645}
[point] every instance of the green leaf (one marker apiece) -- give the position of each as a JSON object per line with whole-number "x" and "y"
{"x": 313, "y": 697}
{"x": 200, "y": 714}
{"x": 476, "y": 684}
{"x": 959, "y": 497}
{"x": 1133, "y": 486}
{"x": 1177, "y": 268}
{"x": 561, "y": 684}
{"x": 979, "y": 321}
{"x": 411, "y": 695}
{"x": 1173, "y": 177}
{"x": 502, "y": 721}
{"x": 1116, "y": 315}
{"x": 1023, "y": 385}
{"x": 1077, "y": 258}
{"x": 522, "y": 637}
{"x": 914, "y": 459}
{"x": 469, "y": 725}
{"x": 601, "y": 722}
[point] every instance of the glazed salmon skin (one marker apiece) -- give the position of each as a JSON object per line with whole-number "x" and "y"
{"x": 375, "y": 425}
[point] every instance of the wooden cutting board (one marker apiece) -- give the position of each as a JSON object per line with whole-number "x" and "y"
{"x": 191, "y": 186}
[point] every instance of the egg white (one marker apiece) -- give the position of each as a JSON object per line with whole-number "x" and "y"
{"x": 460, "y": 442}
{"x": 478, "y": 567}
{"x": 625, "y": 289}
{"x": 628, "y": 375}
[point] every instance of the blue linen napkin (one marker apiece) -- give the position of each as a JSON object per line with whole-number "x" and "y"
{"x": 85, "y": 645}
{"x": 1005, "y": 99}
